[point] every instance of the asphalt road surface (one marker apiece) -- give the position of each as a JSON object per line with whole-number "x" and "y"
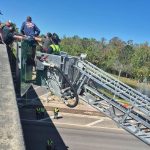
{"x": 75, "y": 132}
{"x": 78, "y": 137}
{"x": 86, "y": 139}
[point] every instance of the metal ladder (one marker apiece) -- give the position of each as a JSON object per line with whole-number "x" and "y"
{"x": 135, "y": 118}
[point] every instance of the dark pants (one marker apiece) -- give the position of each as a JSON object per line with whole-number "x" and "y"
{"x": 55, "y": 115}
{"x": 30, "y": 50}
{"x": 8, "y": 39}
{"x": 38, "y": 115}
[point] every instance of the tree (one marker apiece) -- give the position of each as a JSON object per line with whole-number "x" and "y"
{"x": 112, "y": 56}
{"x": 141, "y": 60}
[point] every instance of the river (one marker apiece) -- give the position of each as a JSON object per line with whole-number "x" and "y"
{"x": 144, "y": 88}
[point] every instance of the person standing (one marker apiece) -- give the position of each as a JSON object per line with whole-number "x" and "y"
{"x": 46, "y": 43}
{"x": 38, "y": 113}
{"x": 56, "y": 110}
{"x": 8, "y": 33}
{"x": 49, "y": 145}
{"x": 42, "y": 112}
{"x": 54, "y": 48}
{"x": 31, "y": 31}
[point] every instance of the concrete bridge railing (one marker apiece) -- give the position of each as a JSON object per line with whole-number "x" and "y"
{"x": 11, "y": 135}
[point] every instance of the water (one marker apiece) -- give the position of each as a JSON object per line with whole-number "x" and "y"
{"x": 144, "y": 88}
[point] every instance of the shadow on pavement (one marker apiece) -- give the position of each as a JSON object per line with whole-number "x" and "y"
{"x": 37, "y": 132}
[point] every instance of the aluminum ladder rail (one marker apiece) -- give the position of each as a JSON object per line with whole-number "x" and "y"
{"x": 134, "y": 97}
{"x": 135, "y": 118}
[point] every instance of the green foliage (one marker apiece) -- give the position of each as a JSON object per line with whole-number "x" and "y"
{"x": 113, "y": 56}
{"x": 132, "y": 59}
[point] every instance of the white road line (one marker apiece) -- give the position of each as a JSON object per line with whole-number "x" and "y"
{"x": 95, "y": 122}
{"x": 79, "y": 115}
{"x": 70, "y": 124}
{"x": 78, "y": 125}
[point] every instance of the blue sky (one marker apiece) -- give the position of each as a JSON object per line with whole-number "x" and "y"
{"x": 126, "y": 19}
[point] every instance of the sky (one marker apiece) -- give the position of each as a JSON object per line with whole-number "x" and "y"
{"x": 126, "y": 19}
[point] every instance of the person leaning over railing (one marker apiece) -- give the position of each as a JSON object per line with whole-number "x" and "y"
{"x": 46, "y": 42}
{"x": 54, "y": 47}
{"x": 7, "y": 31}
{"x": 50, "y": 44}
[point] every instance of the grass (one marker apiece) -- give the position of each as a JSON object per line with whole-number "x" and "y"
{"x": 130, "y": 82}
{"x": 116, "y": 98}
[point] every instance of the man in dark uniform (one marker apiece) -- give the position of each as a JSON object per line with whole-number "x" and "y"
{"x": 49, "y": 145}
{"x": 8, "y": 33}
{"x": 38, "y": 113}
{"x": 42, "y": 112}
{"x": 30, "y": 30}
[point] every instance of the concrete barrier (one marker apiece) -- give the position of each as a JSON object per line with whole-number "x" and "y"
{"x": 11, "y": 135}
